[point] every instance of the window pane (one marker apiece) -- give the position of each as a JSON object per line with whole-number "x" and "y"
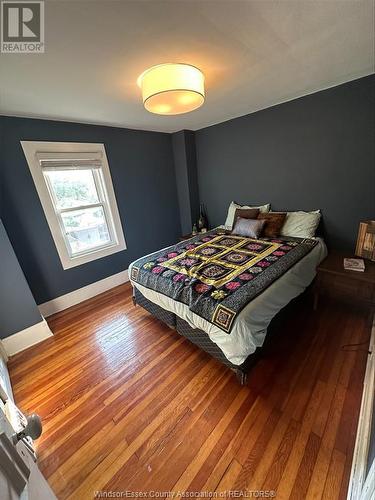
{"x": 86, "y": 229}
{"x": 73, "y": 188}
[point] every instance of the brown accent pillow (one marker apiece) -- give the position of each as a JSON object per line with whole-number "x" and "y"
{"x": 274, "y": 223}
{"x": 250, "y": 228}
{"x": 245, "y": 213}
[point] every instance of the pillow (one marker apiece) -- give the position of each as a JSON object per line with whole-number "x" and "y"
{"x": 273, "y": 223}
{"x": 301, "y": 224}
{"x": 250, "y": 228}
{"x": 246, "y": 213}
{"x": 232, "y": 208}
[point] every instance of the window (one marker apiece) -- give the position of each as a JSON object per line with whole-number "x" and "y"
{"x": 74, "y": 185}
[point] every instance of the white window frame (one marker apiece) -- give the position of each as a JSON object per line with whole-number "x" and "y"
{"x": 50, "y": 155}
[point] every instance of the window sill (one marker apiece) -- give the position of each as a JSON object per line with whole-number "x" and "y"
{"x": 69, "y": 262}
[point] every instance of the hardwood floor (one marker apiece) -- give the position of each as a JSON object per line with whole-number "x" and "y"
{"x": 127, "y": 404}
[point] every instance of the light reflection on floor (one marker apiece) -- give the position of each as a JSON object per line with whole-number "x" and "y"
{"x": 115, "y": 334}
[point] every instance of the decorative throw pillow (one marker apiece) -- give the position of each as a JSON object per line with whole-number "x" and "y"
{"x": 273, "y": 223}
{"x": 250, "y": 228}
{"x": 246, "y": 213}
{"x": 232, "y": 208}
{"x": 301, "y": 224}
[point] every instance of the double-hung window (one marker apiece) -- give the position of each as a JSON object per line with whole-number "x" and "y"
{"x": 75, "y": 188}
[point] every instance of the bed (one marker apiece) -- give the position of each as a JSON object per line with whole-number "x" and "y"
{"x": 221, "y": 291}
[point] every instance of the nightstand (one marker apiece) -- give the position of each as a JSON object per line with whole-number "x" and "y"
{"x": 186, "y": 237}
{"x": 190, "y": 235}
{"x": 353, "y": 286}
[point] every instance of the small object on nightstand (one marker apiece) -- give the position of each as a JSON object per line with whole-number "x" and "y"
{"x": 202, "y": 221}
{"x": 354, "y": 264}
{"x": 366, "y": 240}
{"x": 336, "y": 281}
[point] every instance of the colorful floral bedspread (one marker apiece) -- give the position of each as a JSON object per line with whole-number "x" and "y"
{"x": 217, "y": 274}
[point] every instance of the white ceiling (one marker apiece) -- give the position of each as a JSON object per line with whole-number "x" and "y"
{"x": 254, "y": 54}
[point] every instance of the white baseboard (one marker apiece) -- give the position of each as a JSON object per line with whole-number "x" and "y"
{"x": 71, "y": 299}
{"x": 3, "y": 352}
{"x": 26, "y": 338}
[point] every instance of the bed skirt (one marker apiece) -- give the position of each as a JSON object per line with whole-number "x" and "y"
{"x": 196, "y": 336}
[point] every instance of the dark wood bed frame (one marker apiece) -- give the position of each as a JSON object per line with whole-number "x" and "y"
{"x": 196, "y": 336}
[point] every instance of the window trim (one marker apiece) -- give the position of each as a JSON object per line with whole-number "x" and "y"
{"x": 37, "y": 152}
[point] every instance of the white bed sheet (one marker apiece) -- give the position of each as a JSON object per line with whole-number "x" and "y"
{"x": 250, "y": 326}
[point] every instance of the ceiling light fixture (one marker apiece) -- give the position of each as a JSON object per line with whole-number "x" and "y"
{"x": 172, "y": 89}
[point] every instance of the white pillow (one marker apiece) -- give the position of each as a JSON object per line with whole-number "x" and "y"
{"x": 301, "y": 224}
{"x": 232, "y": 210}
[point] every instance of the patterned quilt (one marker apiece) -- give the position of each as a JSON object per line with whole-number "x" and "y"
{"x": 216, "y": 275}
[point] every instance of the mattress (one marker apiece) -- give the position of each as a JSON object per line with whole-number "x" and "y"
{"x": 250, "y": 326}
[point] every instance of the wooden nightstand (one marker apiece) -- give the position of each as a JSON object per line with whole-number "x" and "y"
{"x": 186, "y": 237}
{"x": 335, "y": 281}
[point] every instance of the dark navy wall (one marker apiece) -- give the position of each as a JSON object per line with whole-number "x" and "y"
{"x": 142, "y": 170}
{"x": 313, "y": 152}
{"x": 18, "y": 309}
{"x": 185, "y": 162}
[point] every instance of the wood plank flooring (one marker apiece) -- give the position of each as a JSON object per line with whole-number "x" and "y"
{"x": 129, "y": 405}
